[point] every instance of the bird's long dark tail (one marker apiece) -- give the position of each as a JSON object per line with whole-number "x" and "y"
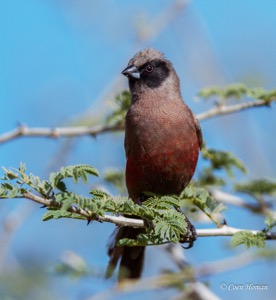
{"x": 131, "y": 258}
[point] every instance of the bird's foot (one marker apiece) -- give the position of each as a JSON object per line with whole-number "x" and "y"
{"x": 190, "y": 236}
{"x": 148, "y": 224}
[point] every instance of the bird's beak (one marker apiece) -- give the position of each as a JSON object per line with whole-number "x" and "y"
{"x": 131, "y": 72}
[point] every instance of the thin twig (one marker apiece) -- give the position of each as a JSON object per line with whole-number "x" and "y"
{"x": 228, "y": 198}
{"x": 56, "y": 132}
{"x": 136, "y": 223}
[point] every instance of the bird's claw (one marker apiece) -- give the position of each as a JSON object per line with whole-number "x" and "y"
{"x": 190, "y": 236}
{"x": 148, "y": 224}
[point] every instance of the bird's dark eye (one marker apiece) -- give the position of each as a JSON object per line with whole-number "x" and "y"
{"x": 149, "y": 68}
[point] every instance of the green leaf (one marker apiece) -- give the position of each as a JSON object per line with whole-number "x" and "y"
{"x": 75, "y": 172}
{"x": 257, "y": 187}
{"x": 22, "y": 168}
{"x": 161, "y": 228}
{"x": 7, "y": 186}
{"x": 249, "y": 239}
{"x": 9, "y": 174}
{"x": 129, "y": 242}
{"x": 222, "y": 160}
{"x": 143, "y": 239}
{"x": 3, "y": 192}
{"x": 237, "y": 91}
{"x": 231, "y": 91}
{"x": 53, "y": 213}
{"x": 203, "y": 200}
{"x": 218, "y": 208}
{"x": 56, "y": 213}
{"x": 99, "y": 193}
{"x": 169, "y": 200}
{"x": 270, "y": 222}
{"x": 208, "y": 178}
{"x": 56, "y": 182}
{"x": 117, "y": 179}
{"x": 48, "y": 216}
{"x": 67, "y": 203}
{"x": 162, "y": 202}
{"x": 170, "y": 226}
{"x": 122, "y": 103}
{"x": 14, "y": 193}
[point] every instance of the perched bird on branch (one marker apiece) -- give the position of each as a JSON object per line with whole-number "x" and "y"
{"x": 162, "y": 143}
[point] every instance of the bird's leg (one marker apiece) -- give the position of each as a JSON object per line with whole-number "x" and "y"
{"x": 190, "y": 235}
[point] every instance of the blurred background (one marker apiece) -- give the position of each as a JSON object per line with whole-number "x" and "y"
{"x": 61, "y": 64}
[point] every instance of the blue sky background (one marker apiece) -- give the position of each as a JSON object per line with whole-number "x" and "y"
{"x": 60, "y": 61}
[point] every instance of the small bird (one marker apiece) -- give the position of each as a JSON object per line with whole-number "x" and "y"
{"x": 162, "y": 143}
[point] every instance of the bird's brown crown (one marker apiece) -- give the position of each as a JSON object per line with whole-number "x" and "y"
{"x": 145, "y": 56}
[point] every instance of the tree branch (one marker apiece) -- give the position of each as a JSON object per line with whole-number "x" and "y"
{"x": 138, "y": 223}
{"x": 229, "y": 231}
{"x": 56, "y": 132}
{"x": 228, "y": 109}
{"x": 53, "y": 203}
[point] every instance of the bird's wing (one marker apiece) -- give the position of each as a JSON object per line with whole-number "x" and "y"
{"x": 198, "y": 132}
{"x": 126, "y": 143}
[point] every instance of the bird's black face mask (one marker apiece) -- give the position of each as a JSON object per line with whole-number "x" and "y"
{"x": 151, "y": 74}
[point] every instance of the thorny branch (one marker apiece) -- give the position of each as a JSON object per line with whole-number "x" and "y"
{"x": 136, "y": 223}
{"x": 57, "y": 132}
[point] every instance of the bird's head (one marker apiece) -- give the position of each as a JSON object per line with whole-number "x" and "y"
{"x": 149, "y": 69}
